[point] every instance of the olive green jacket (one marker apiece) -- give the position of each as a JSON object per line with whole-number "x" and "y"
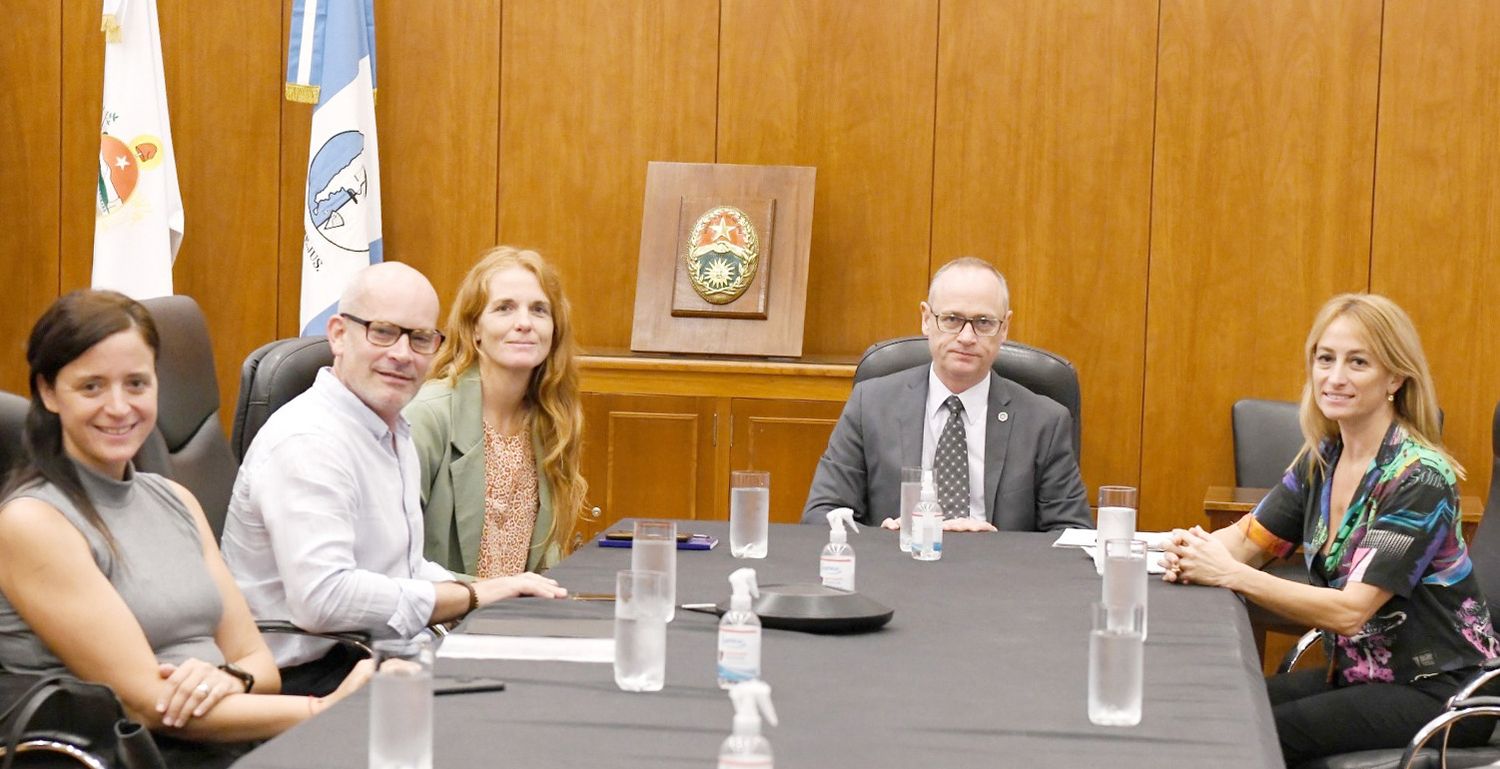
{"x": 448, "y": 427}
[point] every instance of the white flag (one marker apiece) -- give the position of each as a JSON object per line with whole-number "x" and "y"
{"x": 331, "y": 63}
{"x": 139, "y": 223}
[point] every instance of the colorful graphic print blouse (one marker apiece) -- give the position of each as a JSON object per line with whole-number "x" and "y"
{"x": 1401, "y": 533}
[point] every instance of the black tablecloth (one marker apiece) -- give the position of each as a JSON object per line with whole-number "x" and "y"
{"x": 983, "y": 665}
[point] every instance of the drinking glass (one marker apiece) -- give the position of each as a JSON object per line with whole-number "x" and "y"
{"x": 911, "y": 491}
{"x": 1116, "y": 667}
{"x": 640, "y": 630}
{"x": 749, "y": 513}
{"x": 654, "y": 548}
{"x": 1116, "y": 515}
{"x": 1125, "y": 580}
{"x": 401, "y": 705}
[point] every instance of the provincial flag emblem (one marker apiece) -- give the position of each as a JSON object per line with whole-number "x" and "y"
{"x": 722, "y": 254}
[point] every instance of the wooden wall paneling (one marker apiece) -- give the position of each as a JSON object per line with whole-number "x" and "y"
{"x": 1263, "y": 173}
{"x": 438, "y": 111}
{"x": 785, "y": 438}
{"x": 648, "y": 456}
{"x": 1436, "y": 244}
{"x": 30, "y": 119}
{"x": 848, "y": 88}
{"x": 223, "y": 72}
{"x": 583, "y": 108}
{"x": 82, "y": 107}
{"x": 1043, "y": 167}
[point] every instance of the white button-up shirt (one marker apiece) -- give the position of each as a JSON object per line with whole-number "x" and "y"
{"x": 325, "y": 524}
{"x": 976, "y": 402}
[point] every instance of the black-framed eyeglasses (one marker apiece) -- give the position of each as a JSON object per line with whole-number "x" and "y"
{"x": 381, "y": 333}
{"x": 953, "y": 323}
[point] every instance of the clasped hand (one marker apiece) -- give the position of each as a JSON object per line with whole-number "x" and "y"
{"x": 1193, "y": 556}
{"x": 191, "y": 690}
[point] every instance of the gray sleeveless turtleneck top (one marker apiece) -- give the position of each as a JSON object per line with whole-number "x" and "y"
{"x": 159, "y": 572}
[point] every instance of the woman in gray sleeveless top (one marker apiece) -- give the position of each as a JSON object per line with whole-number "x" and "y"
{"x": 113, "y": 575}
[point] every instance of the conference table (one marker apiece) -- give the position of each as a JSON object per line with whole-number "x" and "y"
{"x": 983, "y": 664}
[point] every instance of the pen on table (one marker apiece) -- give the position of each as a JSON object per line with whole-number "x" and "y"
{"x": 592, "y": 596}
{"x": 469, "y": 687}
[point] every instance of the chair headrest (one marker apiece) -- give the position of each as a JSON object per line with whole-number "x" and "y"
{"x": 188, "y": 394}
{"x": 272, "y": 375}
{"x": 13, "y": 409}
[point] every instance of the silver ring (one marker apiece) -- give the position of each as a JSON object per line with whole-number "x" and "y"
{"x": 202, "y": 688}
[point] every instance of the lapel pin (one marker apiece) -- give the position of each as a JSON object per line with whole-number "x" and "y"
{"x": 1003, "y": 416}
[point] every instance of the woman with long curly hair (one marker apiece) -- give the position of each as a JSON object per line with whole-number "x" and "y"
{"x": 498, "y": 428}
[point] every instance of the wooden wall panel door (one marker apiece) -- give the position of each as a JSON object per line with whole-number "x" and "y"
{"x": 1437, "y": 205}
{"x": 82, "y": 106}
{"x": 30, "y": 119}
{"x": 648, "y": 456}
{"x": 222, "y": 65}
{"x": 1043, "y": 167}
{"x": 785, "y": 438}
{"x": 591, "y": 91}
{"x": 439, "y": 129}
{"x": 848, "y": 88}
{"x": 1264, "y": 161}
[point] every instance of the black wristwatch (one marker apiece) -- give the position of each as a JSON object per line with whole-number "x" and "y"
{"x": 240, "y": 673}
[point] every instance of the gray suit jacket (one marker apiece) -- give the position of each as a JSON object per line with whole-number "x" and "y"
{"x": 1031, "y": 478}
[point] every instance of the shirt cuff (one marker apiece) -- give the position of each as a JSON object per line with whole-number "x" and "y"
{"x": 414, "y": 610}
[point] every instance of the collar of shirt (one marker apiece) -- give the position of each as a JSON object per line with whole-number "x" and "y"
{"x": 976, "y": 399}
{"x": 335, "y": 391}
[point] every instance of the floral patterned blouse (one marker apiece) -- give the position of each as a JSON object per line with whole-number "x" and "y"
{"x": 1401, "y": 533}
{"x": 511, "y": 501}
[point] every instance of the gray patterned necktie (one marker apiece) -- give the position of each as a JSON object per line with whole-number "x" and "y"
{"x": 950, "y": 466}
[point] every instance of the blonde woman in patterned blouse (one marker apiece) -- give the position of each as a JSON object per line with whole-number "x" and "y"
{"x": 498, "y": 428}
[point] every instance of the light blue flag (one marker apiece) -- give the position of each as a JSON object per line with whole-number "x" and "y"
{"x": 331, "y": 63}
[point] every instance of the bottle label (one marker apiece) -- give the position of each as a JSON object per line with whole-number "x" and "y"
{"x": 739, "y": 652}
{"x": 837, "y": 571}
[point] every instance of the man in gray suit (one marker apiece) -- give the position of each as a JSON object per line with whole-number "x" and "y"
{"x": 1006, "y": 463}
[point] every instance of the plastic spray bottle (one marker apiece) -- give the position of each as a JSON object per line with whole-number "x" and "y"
{"x": 739, "y": 632}
{"x": 836, "y": 566}
{"x": 746, "y": 748}
{"x": 927, "y": 523}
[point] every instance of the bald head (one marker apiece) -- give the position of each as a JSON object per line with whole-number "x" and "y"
{"x": 387, "y": 285}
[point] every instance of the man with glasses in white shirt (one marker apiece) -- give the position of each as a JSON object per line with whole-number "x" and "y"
{"x": 1002, "y": 456}
{"x": 325, "y": 524}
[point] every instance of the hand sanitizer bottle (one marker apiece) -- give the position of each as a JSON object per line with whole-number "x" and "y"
{"x": 739, "y": 632}
{"x": 746, "y": 748}
{"x": 836, "y": 566}
{"x": 927, "y": 523}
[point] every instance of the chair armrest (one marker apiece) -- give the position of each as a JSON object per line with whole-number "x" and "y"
{"x": 1295, "y": 653}
{"x": 1488, "y": 671}
{"x": 359, "y": 641}
{"x": 1475, "y": 706}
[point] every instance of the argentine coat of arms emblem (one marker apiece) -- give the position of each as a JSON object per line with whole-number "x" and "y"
{"x": 722, "y": 254}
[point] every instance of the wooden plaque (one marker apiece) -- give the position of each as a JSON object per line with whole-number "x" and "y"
{"x": 723, "y": 224}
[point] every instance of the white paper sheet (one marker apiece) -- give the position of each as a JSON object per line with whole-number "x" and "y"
{"x": 501, "y": 647}
{"x": 1154, "y": 563}
{"x": 1085, "y": 538}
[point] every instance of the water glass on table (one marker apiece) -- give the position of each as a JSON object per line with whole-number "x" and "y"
{"x": 1117, "y": 505}
{"x": 749, "y": 513}
{"x": 640, "y": 630}
{"x": 1125, "y": 580}
{"x": 653, "y": 547}
{"x": 911, "y": 491}
{"x": 1116, "y": 666}
{"x": 401, "y": 705}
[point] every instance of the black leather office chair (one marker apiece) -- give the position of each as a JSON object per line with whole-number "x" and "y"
{"x": 272, "y": 375}
{"x": 188, "y": 444}
{"x": 1039, "y": 371}
{"x": 1266, "y": 440}
{"x": 13, "y": 410}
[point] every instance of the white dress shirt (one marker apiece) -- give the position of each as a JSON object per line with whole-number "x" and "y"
{"x": 976, "y": 402}
{"x": 325, "y": 524}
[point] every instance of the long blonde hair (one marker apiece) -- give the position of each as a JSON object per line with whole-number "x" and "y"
{"x": 551, "y": 395}
{"x": 1393, "y": 341}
